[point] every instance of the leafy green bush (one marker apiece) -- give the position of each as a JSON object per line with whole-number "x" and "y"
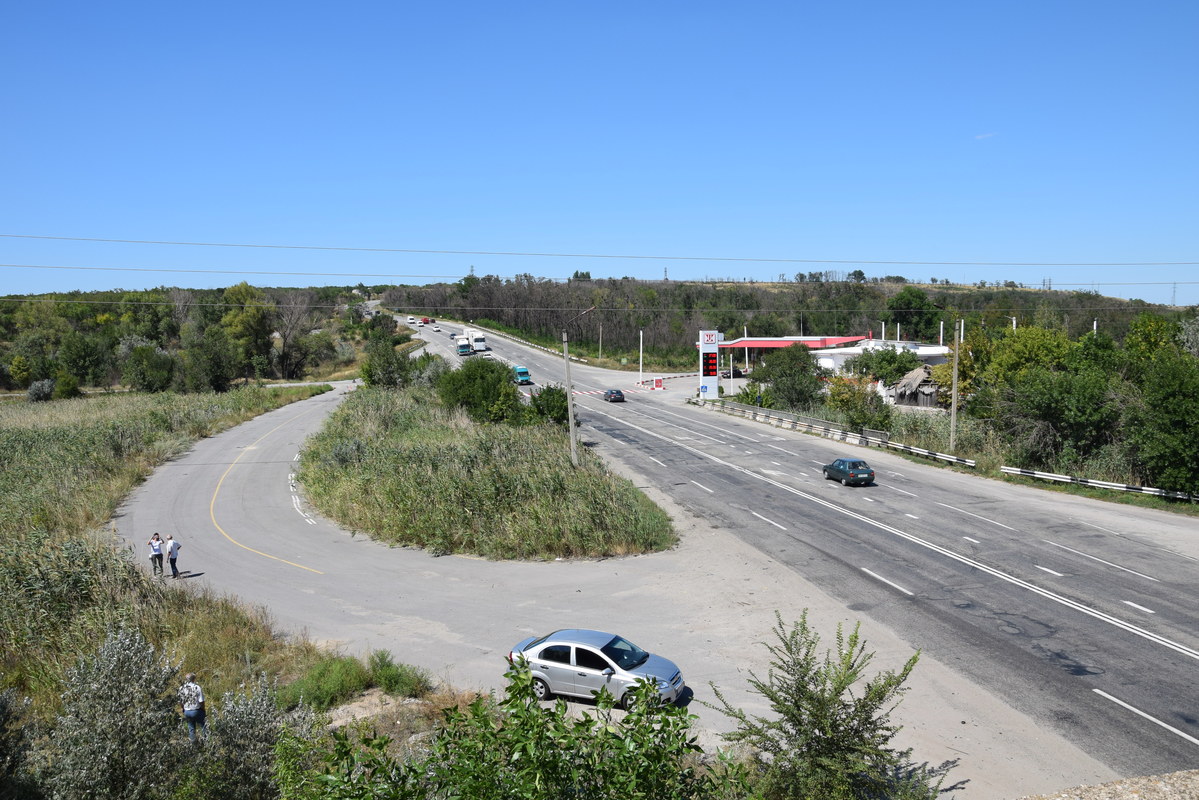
{"x": 402, "y": 680}
{"x": 831, "y": 734}
{"x": 326, "y": 683}
{"x": 40, "y": 391}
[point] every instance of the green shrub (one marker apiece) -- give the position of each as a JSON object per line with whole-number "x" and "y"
{"x": 830, "y": 738}
{"x": 331, "y": 680}
{"x": 402, "y": 680}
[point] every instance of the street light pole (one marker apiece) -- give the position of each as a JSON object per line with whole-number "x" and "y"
{"x": 570, "y": 389}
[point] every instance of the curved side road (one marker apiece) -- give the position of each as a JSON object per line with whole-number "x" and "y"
{"x": 246, "y": 530}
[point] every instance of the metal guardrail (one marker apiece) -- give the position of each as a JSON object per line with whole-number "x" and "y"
{"x": 830, "y": 430}
{"x": 1119, "y": 487}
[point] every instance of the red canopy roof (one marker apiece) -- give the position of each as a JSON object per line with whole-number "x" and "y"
{"x": 814, "y": 342}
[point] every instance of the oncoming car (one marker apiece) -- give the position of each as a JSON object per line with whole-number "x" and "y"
{"x": 849, "y": 471}
{"x": 614, "y": 395}
{"x": 580, "y": 663}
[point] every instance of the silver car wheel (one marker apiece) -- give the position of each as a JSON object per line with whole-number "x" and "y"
{"x": 541, "y": 689}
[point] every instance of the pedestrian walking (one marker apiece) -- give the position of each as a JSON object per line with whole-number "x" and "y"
{"x": 156, "y": 549}
{"x": 172, "y": 554}
{"x": 191, "y": 697}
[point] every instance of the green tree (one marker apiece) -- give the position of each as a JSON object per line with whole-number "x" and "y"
{"x": 88, "y": 358}
{"x": 830, "y": 738}
{"x": 886, "y": 364}
{"x": 550, "y": 404}
{"x": 208, "y": 360}
{"x": 1055, "y": 418}
{"x": 149, "y": 369}
{"x": 862, "y": 406}
{"x": 1149, "y": 338}
{"x": 384, "y": 365}
{"x": 916, "y": 315}
{"x": 248, "y": 323}
{"x": 793, "y": 375}
{"x": 1165, "y": 425}
{"x": 483, "y": 387}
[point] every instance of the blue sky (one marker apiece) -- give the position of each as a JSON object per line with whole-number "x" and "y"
{"x": 1047, "y": 132}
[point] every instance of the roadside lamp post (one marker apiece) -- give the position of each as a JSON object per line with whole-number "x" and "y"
{"x": 570, "y": 389}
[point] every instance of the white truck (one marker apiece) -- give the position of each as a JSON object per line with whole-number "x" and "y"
{"x": 462, "y": 346}
{"x": 478, "y": 342}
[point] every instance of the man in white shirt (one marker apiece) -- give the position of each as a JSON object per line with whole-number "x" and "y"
{"x": 172, "y": 554}
{"x": 156, "y": 546}
{"x": 191, "y": 697}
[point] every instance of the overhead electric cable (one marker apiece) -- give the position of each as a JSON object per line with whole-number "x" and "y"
{"x": 614, "y": 256}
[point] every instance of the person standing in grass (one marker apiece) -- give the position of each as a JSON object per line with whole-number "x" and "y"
{"x": 172, "y": 554}
{"x": 156, "y": 548}
{"x": 191, "y": 697}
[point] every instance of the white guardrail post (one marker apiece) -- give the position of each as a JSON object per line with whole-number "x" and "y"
{"x": 1119, "y": 487}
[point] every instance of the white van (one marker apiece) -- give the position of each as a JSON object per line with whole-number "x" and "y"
{"x": 411, "y": 320}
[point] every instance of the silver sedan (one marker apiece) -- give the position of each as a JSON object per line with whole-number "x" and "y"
{"x": 580, "y": 663}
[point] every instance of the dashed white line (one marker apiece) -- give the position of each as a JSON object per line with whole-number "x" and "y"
{"x": 868, "y": 500}
{"x": 783, "y": 449}
{"x": 705, "y": 488}
{"x": 1141, "y": 713}
{"x": 764, "y": 519}
{"x": 892, "y": 584}
{"x": 971, "y": 513}
{"x": 1050, "y": 571}
{"x": 901, "y": 491}
{"x": 968, "y": 539}
{"x": 913, "y": 516}
{"x": 1139, "y": 608}
{"x": 1101, "y": 561}
{"x": 777, "y": 464}
{"x": 656, "y": 461}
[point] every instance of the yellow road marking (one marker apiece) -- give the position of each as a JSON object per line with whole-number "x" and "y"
{"x": 217, "y": 490}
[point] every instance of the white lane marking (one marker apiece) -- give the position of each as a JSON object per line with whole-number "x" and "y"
{"x": 785, "y": 450}
{"x": 1101, "y": 561}
{"x": 968, "y": 539}
{"x": 774, "y": 472}
{"x": 1081, "y": 608}
{"x": 310, "y": 520}
{"x": 749, "y": 452}
{"x": 817, "y": 462}
{"x": 867, "y": 499}
{"x": 656, "y": 461}
{"x": 691, "y": 423}
{"x": 892, "y": 584}
{"x": 1139, "y": 608}
{"x": 971, "y": 513}
{"x": 901, "y": 491}
{"x": 1050, "y": 571}
{"x": 1139, "y": 712}
{"x": 777, "y": 464}
{"x": 1100, "y": 527}
{"x": 772, "y": 522}
{"x": 296, "y": 457}
{"x": 913, "y": 516}
{"x": 705, "y": 488}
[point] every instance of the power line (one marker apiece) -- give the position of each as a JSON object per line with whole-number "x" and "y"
{"x": 613, "y": 256}
{"x": 291, "y": 273}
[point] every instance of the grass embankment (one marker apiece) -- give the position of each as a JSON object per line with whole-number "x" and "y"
{"x": 402, "y": 468}
{"x": 64, "y": 467}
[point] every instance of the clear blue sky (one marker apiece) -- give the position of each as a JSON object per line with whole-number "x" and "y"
{"x": 856, "y": 132}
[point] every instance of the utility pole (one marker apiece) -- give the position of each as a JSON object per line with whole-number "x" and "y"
{"x": 601, "y": 342}
{"x": 570, "y": 390}
{"x": 641, "y": 357}
{"x": 953, "y": 401}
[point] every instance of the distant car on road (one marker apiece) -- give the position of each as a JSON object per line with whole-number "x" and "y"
{"x": 437, "y": 329}
{"x": 850, "y": 471}
{"x": 734, "y": 373}
{"x": 581, "y": 662}
{"x": 614, "y": 395}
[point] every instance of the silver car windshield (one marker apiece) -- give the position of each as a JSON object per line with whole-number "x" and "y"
{"x": 624, "y": 653}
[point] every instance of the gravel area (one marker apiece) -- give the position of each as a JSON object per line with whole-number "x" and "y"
{"x": 1175, "y": 786}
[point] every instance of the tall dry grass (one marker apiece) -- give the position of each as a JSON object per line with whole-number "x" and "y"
{"x": 402, "y": 468}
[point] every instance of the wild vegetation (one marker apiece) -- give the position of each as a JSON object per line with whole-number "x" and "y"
{"x": 411, "y": 467}
{"x": 64, "y": 467}
{"x": 179, "y": 339}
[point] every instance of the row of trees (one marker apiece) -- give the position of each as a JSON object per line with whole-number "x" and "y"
{"x": 186, "y": 340}
{"x": 669, "y": 313}
{"x": 1092, "y": 406}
